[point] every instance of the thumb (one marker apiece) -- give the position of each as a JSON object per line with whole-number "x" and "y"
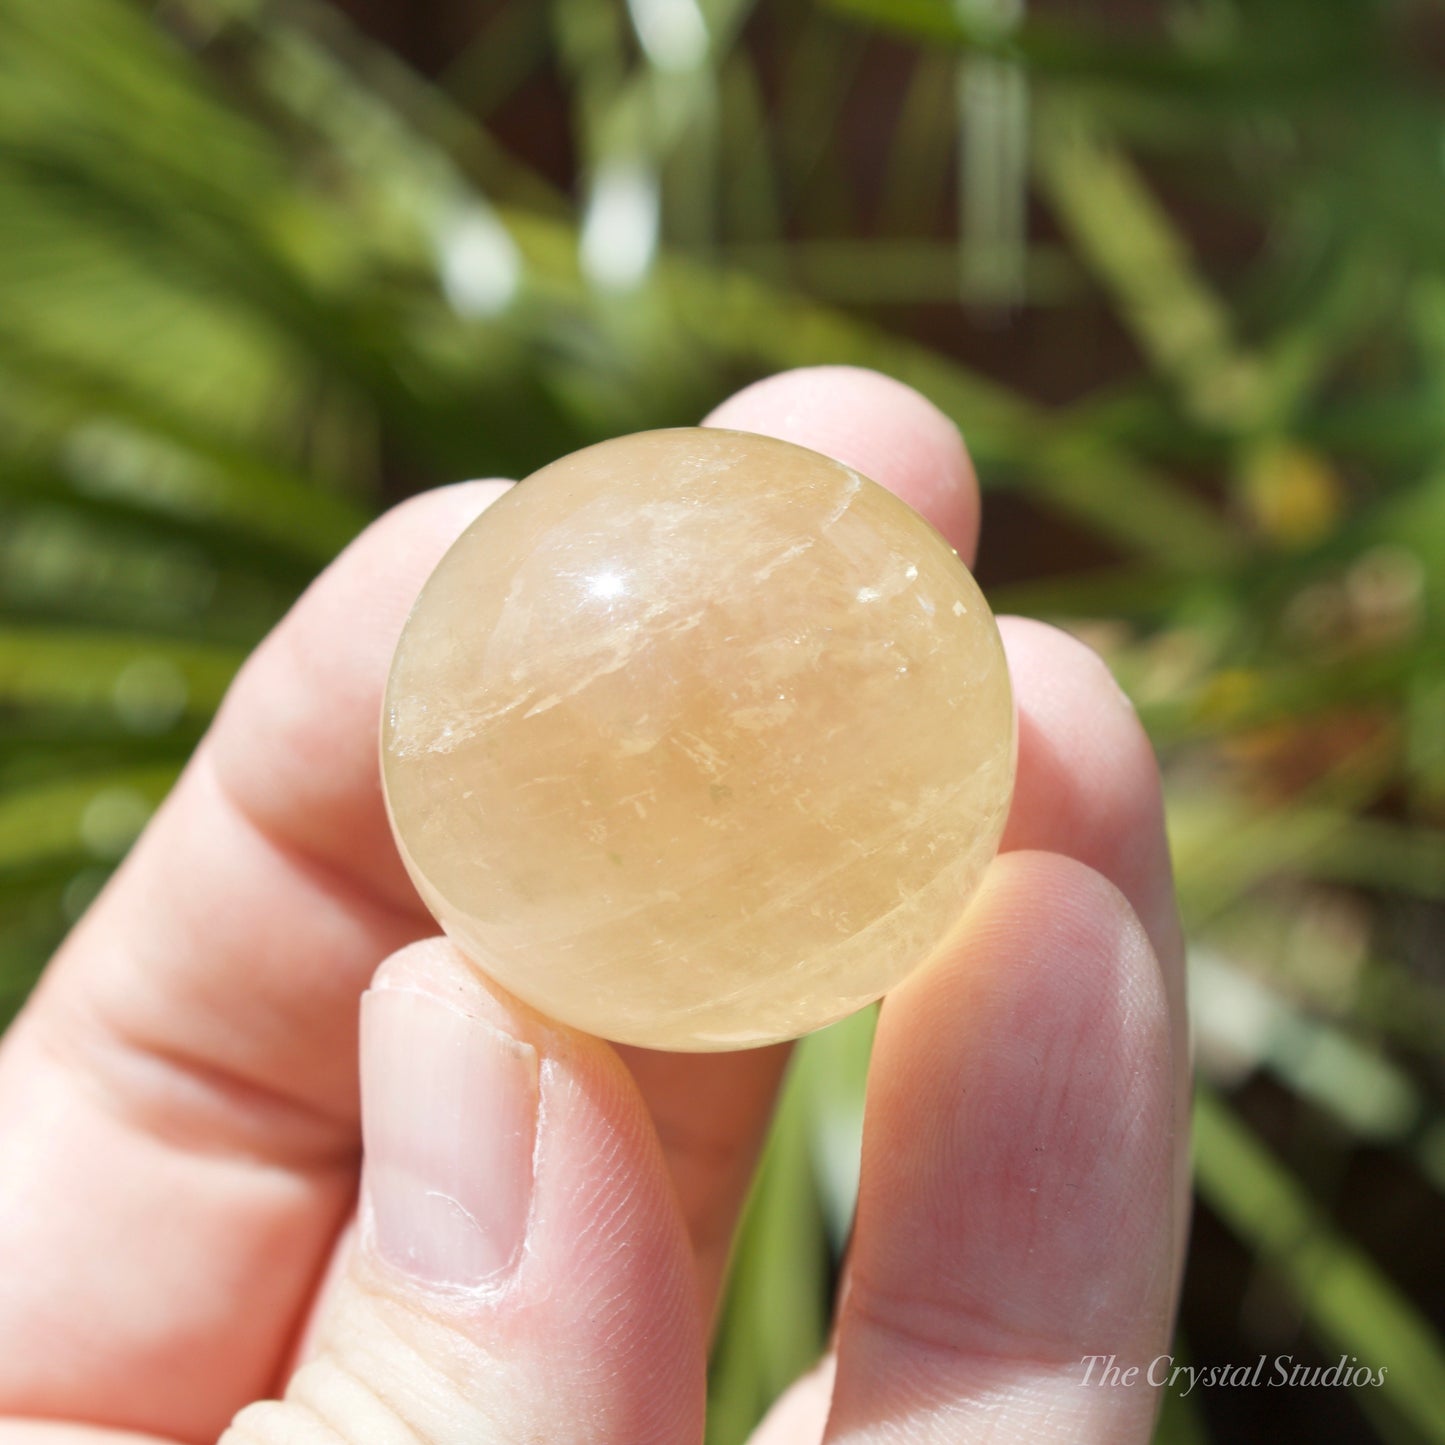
{"x": 522, "y": 1269}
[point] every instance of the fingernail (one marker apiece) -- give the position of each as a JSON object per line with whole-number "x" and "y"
{"x": 449, "y": 1120}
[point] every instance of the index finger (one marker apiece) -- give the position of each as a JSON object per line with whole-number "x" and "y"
{"x": 178, "y": 1100}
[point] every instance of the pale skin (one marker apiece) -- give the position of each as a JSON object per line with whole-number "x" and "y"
{"x": 180, "y": 1114}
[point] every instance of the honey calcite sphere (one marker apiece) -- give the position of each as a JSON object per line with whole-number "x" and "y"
{"x": 698, "y": 740}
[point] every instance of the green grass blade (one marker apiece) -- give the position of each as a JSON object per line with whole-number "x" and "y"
{"x": 1349, "y": 1305}
{"x": 51, "y": 667}
{"x": 775, "y": 1316}
{"x": 93, "y": 817}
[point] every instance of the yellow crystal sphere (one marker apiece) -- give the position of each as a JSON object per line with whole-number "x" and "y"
{"x": 698, "y": 740}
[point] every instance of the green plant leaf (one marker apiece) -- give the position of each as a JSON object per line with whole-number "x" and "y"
{"x": 1348, "y": 1303}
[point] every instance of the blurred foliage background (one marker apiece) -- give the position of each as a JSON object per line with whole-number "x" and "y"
{"x": 1177, "y": 269}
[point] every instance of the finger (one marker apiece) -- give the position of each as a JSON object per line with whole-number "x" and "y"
{"x": 178, "y": 1120}
{"x": 1088, "y": 787}
{"x": 1014, "y": 1214}
{"x": 59, "y": 1432}
{"x": 1088, "y": 782}
{"x": 523, "y": 1271}
{"x": 875, "y": 425}
{"x": 712, "y": 1110}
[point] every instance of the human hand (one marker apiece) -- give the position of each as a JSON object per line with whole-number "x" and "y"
{"x": 544, "y": 1218}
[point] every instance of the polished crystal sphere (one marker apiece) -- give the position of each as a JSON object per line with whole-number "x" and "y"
{"x": 698, "y": 740}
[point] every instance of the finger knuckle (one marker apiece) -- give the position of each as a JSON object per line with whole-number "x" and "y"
{"x": 325, "y": 1404}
